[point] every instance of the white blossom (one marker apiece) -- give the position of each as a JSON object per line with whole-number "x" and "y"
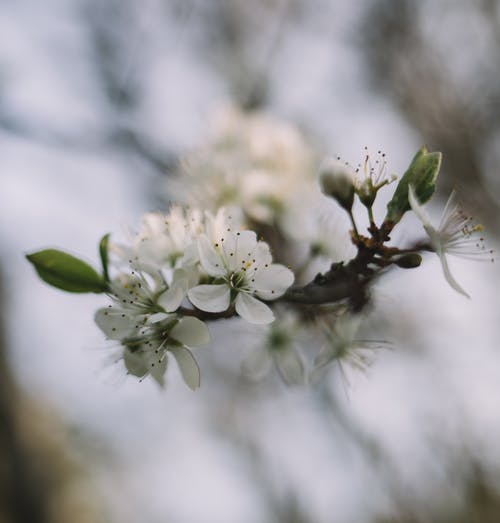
{"x": 278, "y": 348}
{"x": 147, "y": 329}
{"x": 242, "y": 271}
{"x": 252, "y": 162}
{"x": 340, "y": 344}
{"x": 455, "y": 235}
{"x": 165, "y": 240}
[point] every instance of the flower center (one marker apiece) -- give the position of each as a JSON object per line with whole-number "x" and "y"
{"x": 237, "y": 280}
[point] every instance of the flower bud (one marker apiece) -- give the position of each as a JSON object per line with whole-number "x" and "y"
{"x": 337, "y": 180}
{"x": 409, "y": 261}
{"x": 366, "y": 192}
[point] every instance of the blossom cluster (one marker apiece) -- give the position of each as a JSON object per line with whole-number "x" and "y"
{"x": 177, "y": 265}
{"x": 257, "y": 201}
{"x": 267, "y": 172}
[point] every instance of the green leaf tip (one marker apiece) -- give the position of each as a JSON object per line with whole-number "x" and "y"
{"x": 421, "y": 174}
{"x": 64, "y": 271}
{"x": 104, "y": 254}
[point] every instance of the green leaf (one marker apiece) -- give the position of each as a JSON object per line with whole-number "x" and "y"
{"x": 103, "y": 252}
{"x": 61, "y": 270}
{"x": 421, "y": 174}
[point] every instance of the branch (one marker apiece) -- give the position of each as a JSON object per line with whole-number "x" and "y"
{"x": 339, "y": 283}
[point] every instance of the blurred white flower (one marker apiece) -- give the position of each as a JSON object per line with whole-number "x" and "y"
{"x": 279, "y": 347}
{"x": 341, "y": 345}
{"x": 242, "y": 271}
{"x": 253, "y": 162}
{"x": 455, "y": 235}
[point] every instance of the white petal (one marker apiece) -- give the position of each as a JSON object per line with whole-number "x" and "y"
{"x": 191, "y": 332}
{"x": 134, "y": 363}
{"x": 191, "y": 255}
{"x": 157, "y": 370}
{"x": 450, "y": 210}
{"x": 246, "y": 241}
{"x": 228, "y": 250}
{"x": 210, "y": 298}
{"x": 171, "y": 299}
{"x": 156, "y": 363}
{"x": 290, "y": 366}
{"x": 262, "y": 254}
{"x": 115, "y": 323}
{"x": 449, "y": 277}
{"x": 210, "y": 259}
{"x": 257, "y": 364}
{"x": 418, "y": 209}
{"x": 157, "y": 317}
{"x": 271, "y": 282}
{"x": 192, "y": 275}
{"x": 153, "y": 224}
{"x": 253, "y": 310}
{"x": 187, "y": 365}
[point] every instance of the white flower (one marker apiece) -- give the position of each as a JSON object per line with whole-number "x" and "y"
{"x": 253, "y": 162}
{"x": 165, "y": 240}
{"x": 147, "y": 340}
{"x": 165, "y": 248}
{"x": 340, "y": 344}
{"x": 242, "y": 271}
{"x": 138, "y": 320}
{"x": 278, "y": 348}
{"x": 455, "y": 235}
{"x": 146, "y": 353}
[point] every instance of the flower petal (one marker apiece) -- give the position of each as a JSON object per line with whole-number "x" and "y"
{"x": 210, "y": 259}
{"x": 271, "y": 282}
{"x": 115, "y": 323}
{"x": 210, "y": 298}
{"x": 187, "y": 365}
{"x": 246, "y": 241}
{"x": 191, "y": 255}
{"x": 290, "y": 366}
{"x": 156, "y": 362}
{"x": 157, "y": 317}
{"x": 420, "y": 211}
{"x": 171, "y": 299}
{"x": 134, "y": 363}
{"x": 253, "y": 310}
{"x": 257, "y": 364}
{"x": 191, "y": 332}
{"x": 262, "y": 253}
{"x": 449, "y": 277}
{"x": 417, "y": 207}
{"x": 157, "y": 370}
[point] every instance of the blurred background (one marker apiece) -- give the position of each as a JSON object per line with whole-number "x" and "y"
{"x": 98, "y": 101}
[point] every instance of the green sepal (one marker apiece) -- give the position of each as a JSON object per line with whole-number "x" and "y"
{"x": 61, "y": 270}
{"x": 103, "y": 252}
{"x": 421, "y": 175}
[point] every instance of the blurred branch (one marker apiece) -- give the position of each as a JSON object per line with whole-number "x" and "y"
{"x": 404, "y": 64}
{"x": 23, "y": 498}
{"x": 40, "y": 479}
{"x": 111, "y": 26}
